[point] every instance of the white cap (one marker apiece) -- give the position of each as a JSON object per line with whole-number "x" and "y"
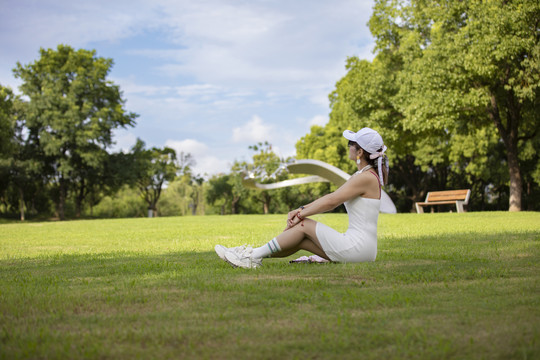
{"x": 367, "y": 138}
{"x": 372, "y": 142}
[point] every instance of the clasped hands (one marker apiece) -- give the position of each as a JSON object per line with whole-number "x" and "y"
{"x": 293, "y": 219}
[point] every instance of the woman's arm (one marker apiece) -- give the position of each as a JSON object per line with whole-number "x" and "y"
{"x": 354, "y": 187}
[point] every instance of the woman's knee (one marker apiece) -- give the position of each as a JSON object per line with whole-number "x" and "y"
{"x": 310, "y": 228}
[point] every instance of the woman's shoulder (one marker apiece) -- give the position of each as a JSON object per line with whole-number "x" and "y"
{"x": 368, "y": 174}
{"x": 360, "y": 179}
{"x": 367, "y": 181}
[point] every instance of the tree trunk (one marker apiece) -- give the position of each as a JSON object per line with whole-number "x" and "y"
{"x": 509, "y": 135}
{"x": 62, "y": 200}
{"x": 152, "y": 210}
{"x": 516, "y": 182}
{"x": 33, "y": 209}
{"x": 266, "y": 198}
{"x": 80, "y": 198}
{"x": 529, "y": 194}
{"x": 234, "y": 205}
{"x": 21, "y": 203}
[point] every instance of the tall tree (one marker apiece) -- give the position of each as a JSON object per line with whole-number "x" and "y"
{"x": 185, "y": 163}
{"x": 72, "y": 110}
{"x": 153, "y": 169}
{"x": 453, "y": 86}
{"x": 221, "y": 193}
{"x": 266, "y": 162}
{"x": 470, "y": 65}
{"x": 7, "y": 146}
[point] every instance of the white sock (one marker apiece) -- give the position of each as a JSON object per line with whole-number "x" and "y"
{"x": 266, "y": 250}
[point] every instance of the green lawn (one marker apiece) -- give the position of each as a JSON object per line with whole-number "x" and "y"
{"x": 459, "y": 286}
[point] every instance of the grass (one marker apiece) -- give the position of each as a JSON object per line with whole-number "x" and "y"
{"x": 444, "y": 286}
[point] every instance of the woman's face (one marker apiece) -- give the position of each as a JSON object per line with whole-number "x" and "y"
{"x": 353, "y": 151}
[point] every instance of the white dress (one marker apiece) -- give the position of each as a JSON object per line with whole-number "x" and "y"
{"x": 359, "y": 242}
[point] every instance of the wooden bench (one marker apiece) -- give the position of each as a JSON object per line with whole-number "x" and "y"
{"x": 458, "y": 197}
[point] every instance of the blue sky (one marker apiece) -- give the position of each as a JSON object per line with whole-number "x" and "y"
{"x": 208, "y": 77}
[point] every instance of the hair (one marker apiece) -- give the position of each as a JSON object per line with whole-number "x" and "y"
{"x": 374, "y": 162}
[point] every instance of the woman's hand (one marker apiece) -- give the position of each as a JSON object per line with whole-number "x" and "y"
{"x": 292, "y": 215}
{"x": 292, "y": 219}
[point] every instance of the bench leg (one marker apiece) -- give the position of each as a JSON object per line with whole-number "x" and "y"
{"x": 419, "y": 209}
{"x": 459, "y": 206}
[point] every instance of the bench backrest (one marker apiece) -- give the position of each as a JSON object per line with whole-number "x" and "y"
{"x": 449, "y": 195}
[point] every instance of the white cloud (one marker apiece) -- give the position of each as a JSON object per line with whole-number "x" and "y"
{"x": 211, "y": 165}
{"x": 253, "y": 131}
{"x": 47, "y": 24}
{"x": 263, "y": 44}
{"x": 191, "y": 146}
{"x": 131, "y": 87}
{"x": 175, "y": 103}
{"x": 296, "y": 48}
{"x": 205, "y": 160}
{"x": 198, "y": 90}
{"x": 124, "y": 140}
{"x": 318, "y": 120}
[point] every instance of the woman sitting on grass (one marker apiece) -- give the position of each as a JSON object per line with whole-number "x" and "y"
{"x": 361, "y": 195}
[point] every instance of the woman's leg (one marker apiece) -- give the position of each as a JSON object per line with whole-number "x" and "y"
{"x": 303, "y": 236}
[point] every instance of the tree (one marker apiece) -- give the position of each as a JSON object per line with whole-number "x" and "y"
{"x": 153, "y": 168}
{"x": 72, "y": 110}
{"x": 198, "y": 187}
{"x": 185, "y": 163}
{"x": 265, "y": 162}
{"x": 453, "y": 90}
{"x": 7, "y": 99}
{"x": 22, "y": 163}
{"x": 7, "y": 134}
{"x": 220, "y": 193}
{"x": 116, "y": 173}
{"x": 126, "y": 202}
{"x": 469, "y": 65}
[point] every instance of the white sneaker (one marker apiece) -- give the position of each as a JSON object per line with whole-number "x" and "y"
{"x": 243, "y": 259}
{"x": 221, "y": 250}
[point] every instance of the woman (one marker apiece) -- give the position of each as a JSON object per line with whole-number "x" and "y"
{"x": 361, "y": 195}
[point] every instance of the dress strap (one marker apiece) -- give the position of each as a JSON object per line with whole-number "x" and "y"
{"x": 378, "y": 181}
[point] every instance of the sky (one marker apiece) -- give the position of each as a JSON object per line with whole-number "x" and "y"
{"x": 206, "y": 77}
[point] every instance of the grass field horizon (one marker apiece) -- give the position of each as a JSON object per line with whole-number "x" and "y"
{"x": 443, "y": 286}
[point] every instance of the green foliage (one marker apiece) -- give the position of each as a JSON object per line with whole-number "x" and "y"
{"x": 224, "y": 193}
{"x": 453, "y": 90}
{"x": 265, "y": 167}
{"x": 473, "y": 65}
{"x": 153, "y": 168}
{"x": 70, "y": 115}
{"x": 127, "y": 202}
{"x": 7, "y": 123}
{"x": 7, "y": 132}
{"x": 23, "y": 166}
{"x": 182, "y": 197}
